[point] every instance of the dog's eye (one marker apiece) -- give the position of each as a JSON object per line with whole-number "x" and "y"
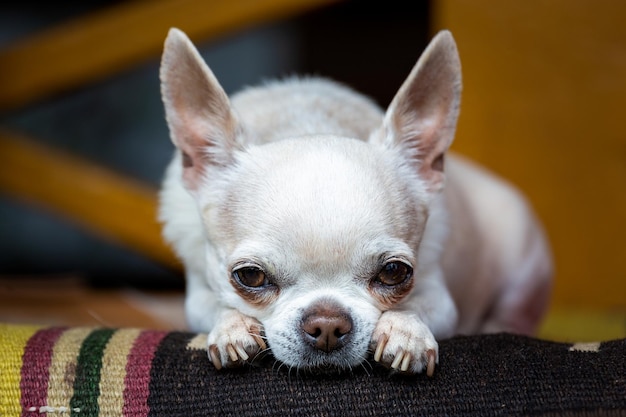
{"x": 250, "y": 277}
{"x": 394, "y": 273}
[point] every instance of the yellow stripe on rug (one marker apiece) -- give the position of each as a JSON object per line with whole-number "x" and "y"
{"x": 113, "y": 372}
{"x": 13, "y": 339}
{"x": 63, "y": 368}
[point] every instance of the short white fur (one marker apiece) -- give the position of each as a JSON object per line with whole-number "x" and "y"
{"x": 318, "y": 187}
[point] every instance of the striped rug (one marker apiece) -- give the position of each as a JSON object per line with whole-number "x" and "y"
{"x": 77, "y": 371}
{"x": 86, "y": 371}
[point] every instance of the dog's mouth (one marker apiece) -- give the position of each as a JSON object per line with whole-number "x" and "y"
{"x": 314, "y": 362}
{"x": 325, "y": 337}
{"x": 302, "y": 355}
{"x": 298, "y": 357}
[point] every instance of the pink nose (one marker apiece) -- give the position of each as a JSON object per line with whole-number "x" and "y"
{"x": 326, "y": 326}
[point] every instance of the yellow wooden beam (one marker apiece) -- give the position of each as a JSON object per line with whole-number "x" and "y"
{"x": 544, "y": 92}
{"x": 97, "y": 45}
{"x": 583, "y": 325}
{"x": 113, "y": 206}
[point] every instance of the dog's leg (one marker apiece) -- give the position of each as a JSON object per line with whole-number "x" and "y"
{"x": 235, "y": 339}
{"x": 404, "y": 343}
{"x": 404, "y": 338}
{"x": 524, "y": 299}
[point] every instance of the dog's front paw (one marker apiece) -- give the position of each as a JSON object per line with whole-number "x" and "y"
{"x": 234, "y": 340}
{"x": 403, "y": 343}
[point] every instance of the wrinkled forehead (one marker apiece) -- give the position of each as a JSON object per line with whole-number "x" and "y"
{"x": 327, "y": 182}
{"x": 319, "y": 197}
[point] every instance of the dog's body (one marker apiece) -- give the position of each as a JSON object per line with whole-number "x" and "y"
{"x": 308, "y": 218}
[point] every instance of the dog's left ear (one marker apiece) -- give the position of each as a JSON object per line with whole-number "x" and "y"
{"x": 421, "y": 118}
{"x": 198, "y": 113}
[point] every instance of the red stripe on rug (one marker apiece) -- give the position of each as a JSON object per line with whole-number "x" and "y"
{"x": 138, "y": 366}
{"x": 35, "y": 371}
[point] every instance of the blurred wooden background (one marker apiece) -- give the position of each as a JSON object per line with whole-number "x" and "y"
{"x": 544, "y": 93}
{"x": 543, "y": 105}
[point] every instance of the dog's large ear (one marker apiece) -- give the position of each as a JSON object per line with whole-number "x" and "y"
{"x": 197, "y": 110}
{"x": 422, "y": 117}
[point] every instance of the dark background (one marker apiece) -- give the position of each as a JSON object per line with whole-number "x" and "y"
{"x": 118, "y": 122}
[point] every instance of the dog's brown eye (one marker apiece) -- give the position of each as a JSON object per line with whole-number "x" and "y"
{"x": 250, "y": 277}
{"x": 394, "y": 273}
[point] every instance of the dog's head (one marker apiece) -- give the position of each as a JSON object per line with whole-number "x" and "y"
{"x": 315, "y": 236}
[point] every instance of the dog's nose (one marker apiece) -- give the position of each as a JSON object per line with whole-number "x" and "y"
{"x": 326, "y": 326}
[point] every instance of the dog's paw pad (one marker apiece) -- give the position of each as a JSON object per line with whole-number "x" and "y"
{"x": 235, "y": 340}
{"x": 404, "y": 344}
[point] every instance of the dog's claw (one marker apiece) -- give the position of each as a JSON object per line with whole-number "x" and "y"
{"x": 382, "y": 342}
{"x": 397, "y": 360}
{"x": 432, "y": 358}
{"x": 232, "y": 354}
{"x": 255, "y": 331}
{"x": 405, "y": 362}
{"x": 214, "y": 356}
{"x": 242, "y": 353}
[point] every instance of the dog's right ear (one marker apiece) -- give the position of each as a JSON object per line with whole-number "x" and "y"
{"x": 421, "y": 118}
{"x": 197, "y": 110}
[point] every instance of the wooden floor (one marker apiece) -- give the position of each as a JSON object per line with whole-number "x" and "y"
{"x": 67, "y": 301}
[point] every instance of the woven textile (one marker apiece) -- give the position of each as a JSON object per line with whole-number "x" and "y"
{"x": 133, "y": 372}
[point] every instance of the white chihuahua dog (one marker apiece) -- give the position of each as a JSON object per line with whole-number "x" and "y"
{"x": 312, "y": 223}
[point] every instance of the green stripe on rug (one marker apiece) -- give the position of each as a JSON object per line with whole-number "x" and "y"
{"x": 84, "y": 402}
